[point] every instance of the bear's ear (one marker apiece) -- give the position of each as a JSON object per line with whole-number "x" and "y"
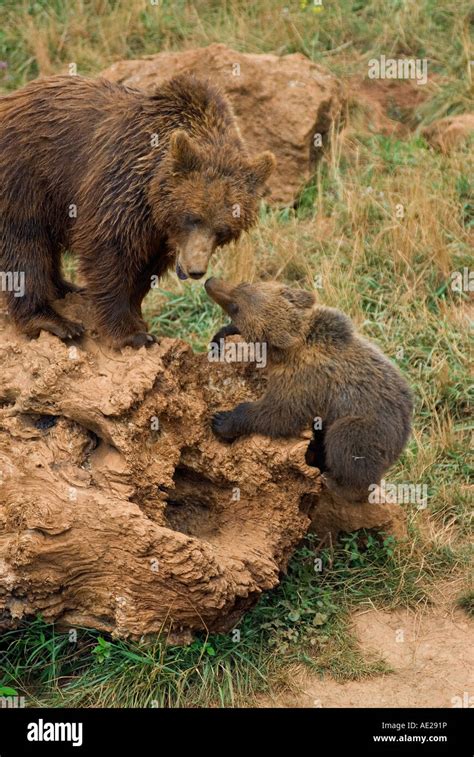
{"x": 300, "y": 298}
{"x": 283, "y": 340}
{"x": 185, "y": 153}
{"x": 260, "y": 168}
{"x": 330, "y": 325}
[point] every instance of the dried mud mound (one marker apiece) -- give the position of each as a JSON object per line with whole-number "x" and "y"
{"x": 448, "y": 133}
{"x": 119, "y": 510}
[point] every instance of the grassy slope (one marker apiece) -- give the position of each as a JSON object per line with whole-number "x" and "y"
{"x": 390, "y": 274}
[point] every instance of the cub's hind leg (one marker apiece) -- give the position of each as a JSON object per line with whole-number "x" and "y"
{"x": 316, "y": 454}
{"x": 356, "y": 456}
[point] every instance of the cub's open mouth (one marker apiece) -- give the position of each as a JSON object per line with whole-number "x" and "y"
{"x": 180, "y": 273}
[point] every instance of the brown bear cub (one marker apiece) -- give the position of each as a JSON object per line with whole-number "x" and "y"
{"x": 322, "y": 375}
{"x": 132, "y": 183}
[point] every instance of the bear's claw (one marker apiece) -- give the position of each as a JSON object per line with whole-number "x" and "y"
{"x": 140, "y": 339}
{"x": 222, "y": 425}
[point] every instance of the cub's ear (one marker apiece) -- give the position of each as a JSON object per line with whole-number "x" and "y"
{"x": 283, "y": 340}
{"x": 260, "y": 168}
{"x": 330, "y": 325}
{"x": 299, "y": 297}
{"x": 184, "y": 151}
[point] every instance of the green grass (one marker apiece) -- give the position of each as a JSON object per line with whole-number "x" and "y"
{"x": 188, "y": 314}
{"x": 466, "y": 601}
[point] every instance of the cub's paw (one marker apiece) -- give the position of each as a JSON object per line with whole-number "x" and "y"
{"x": 217, "y": 337}
{"x": 215, "y": 346}
{"x": 223, "y": 426}
{"x": 140, "y": 339}
{"x": 218, "y": 340}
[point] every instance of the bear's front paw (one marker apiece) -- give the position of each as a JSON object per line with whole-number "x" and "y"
{"x": 217, "y": 342}
{"x": 223, "y": 425}
{"x": 215, "y": 348}
{"x": 140, "y": 339}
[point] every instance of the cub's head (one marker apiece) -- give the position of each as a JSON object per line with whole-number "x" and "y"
{"x": 212, "y": 194}
{"x": 267, "y": 312}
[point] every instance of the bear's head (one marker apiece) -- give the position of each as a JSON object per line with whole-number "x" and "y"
{"x": 266, "y": 312}
{"x": 212, "y": 195}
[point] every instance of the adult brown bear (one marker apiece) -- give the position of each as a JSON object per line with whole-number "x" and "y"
{"x": 131, "y": 183}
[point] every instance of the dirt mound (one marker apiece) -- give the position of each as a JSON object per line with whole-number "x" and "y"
{"x": 119, "y": 509}
{"x": 281, "y": 102}
{"x": 384, "y": 106}
{"x": 448, "y": 133}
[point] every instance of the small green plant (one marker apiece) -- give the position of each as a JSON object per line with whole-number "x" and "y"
{"x": 363, "y": 548}
{"x": 7, "y": 691}
{"x": 102, "y": 650}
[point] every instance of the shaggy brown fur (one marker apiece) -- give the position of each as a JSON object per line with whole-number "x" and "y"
{"x": 319, "y": 368}
{"x": 131, "y": 183}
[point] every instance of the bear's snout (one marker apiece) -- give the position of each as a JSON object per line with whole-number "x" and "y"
{"x": 194, "y": 253}
{"x": 220, "y": 292}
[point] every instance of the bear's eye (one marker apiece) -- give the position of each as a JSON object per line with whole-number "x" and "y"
{"x": 233, "y": 309}
{"x": 191, "y": 220}
{"x": 223, "y": 235}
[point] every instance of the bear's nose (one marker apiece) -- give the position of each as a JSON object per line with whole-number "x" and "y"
{"x": 196, "y": 274}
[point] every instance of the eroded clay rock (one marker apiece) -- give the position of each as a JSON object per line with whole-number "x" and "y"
{"x": 448, "y": 133}
{"x": 281, "y": 102}
{"x": 119, "y": 509}
{"x": 330, "y": 516}
{"x": 382, "y": 106}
